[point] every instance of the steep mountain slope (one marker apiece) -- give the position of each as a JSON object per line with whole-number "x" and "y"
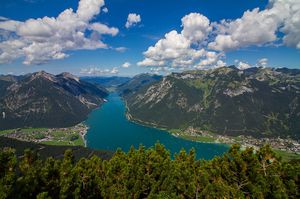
{"x": 107, "y": 82}
{"x": 261, "y": 102}
{"x": 136, "y": 83}
{"x": 3, "y": 86}
{"x": 44, "y": 100}
{"x": 7, "y": 80}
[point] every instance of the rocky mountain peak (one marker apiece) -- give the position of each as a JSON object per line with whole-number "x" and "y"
{"x": 44, "y": 75}
{"x": 68, "y": 76}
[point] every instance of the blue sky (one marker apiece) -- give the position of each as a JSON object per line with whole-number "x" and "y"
{"x": 157, "y": 18}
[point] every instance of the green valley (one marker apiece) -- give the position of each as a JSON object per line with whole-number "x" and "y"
{"x": 71, "y": 136}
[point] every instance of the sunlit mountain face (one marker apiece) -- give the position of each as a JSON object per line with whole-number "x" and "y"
{"x": 149, "y": 99}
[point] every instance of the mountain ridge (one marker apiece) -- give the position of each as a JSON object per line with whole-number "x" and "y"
{"x": 137, "y": 82}
{"x": 106, "y": 82}
{"x": 41, "y": 99}
{"x": 261, "y": 102}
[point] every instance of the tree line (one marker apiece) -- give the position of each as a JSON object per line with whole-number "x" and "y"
{"x": 150, "y": 173}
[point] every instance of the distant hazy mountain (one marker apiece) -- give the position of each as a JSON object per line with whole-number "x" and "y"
{"x": 137, "y": 83}
{"x": 107, "y": 82}
{"x": 45, "y": 100}
{"x": 261, "y": 102}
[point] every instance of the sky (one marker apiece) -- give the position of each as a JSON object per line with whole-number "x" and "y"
{"x": 125, "y": 38}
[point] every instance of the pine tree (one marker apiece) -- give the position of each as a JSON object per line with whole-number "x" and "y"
{"x": 8, "y": 176}
{"x": 150, "y": 173}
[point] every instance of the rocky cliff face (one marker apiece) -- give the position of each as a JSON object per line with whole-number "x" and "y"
{"x": 45, "y": 100}
{"x": 261, "y": 102}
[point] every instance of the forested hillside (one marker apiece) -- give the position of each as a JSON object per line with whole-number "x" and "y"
{"x": 136, "y": 83}
{"x": 44, "y": 100}
{"x": 261, "y": 102}
{"x": 150, "y": 173}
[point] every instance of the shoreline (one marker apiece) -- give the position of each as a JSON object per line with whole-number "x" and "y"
{"x": 83, "y": 133}
{"x": 244, "y": 141}
{"x": 156, "y": 126}
{"x": 140, "y": 122}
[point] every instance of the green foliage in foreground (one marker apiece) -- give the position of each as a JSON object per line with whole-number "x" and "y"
{"x": 150, "y": 173}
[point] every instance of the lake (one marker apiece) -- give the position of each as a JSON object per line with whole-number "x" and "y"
{"x": 109, "y": 129}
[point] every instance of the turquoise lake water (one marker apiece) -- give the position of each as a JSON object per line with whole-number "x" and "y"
{"x": 109, "y": 129}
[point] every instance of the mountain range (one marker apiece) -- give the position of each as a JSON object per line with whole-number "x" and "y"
{"x": 137, "y": 83}
{"x": 261, "y": 102}
{"x": 44, "y": 100}
{"x": 107, "y": 82}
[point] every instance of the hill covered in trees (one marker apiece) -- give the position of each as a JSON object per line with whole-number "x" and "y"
{"x": 44, "y": 100}
{"x": 150, "y": 173}
{"x": 261, "y": 102}
{"x": 137, "y": 83}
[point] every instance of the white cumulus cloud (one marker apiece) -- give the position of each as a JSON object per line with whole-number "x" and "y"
{"x": 211, "y": 60}
{"x": 121, "y": 49}
{"x": 95, "y": 71}
{"x": 263, "y": 62}
{"x": 242, "y": 65}
{"x": 105, "y": 10}
{"x": 104, "y": 29}
{"x": 174, "y": 49}
{"x": 258, "y": 27}
{"x": 195, "y": 27}
{"x": 49, "y": 38}
{"x": 132, "y": 20}
{"x": 178, "y": 50}
{"x": 291, "y": 27}
{"x": 203, "y": 44}
{"x": 126, "y": 65}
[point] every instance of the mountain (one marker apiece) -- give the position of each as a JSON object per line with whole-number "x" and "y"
{"x": 261, "y": 102}
{"x": 107, "y": 82}
{"x": 44, "y": 100}
{"x": 136, "y": 83}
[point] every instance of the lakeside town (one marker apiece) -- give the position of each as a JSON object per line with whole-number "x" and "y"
{"x": 72, "y": 136}
{"x": 288, "y": 145}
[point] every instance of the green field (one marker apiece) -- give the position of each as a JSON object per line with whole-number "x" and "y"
{"x": 181, "y": 134}
{"x": 199, "y": 138}
{"x": 68, "y": 137}
{"x": 286, "y": 156}
{"x": 78, "y": 142}
{"x": 25, "y": 130}
{"x": 4, "y": 132}
{"x": 61, "y": 138}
